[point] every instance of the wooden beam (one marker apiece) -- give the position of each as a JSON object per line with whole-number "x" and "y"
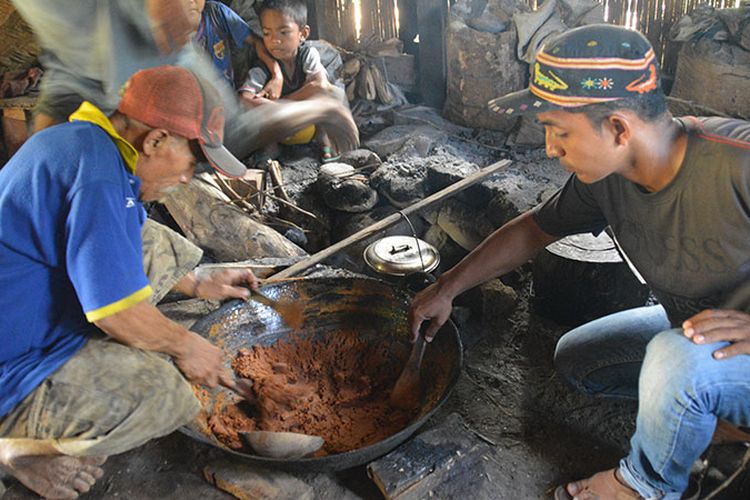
{"x": 391, "y": 220}
{"x": 431, "y": 19}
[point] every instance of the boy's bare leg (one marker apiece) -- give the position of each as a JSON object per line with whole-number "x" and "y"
{"x": 328, "y": 153}
{"x": 54, "y": 476}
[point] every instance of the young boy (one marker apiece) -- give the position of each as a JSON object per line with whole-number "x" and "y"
{"x": 676, "y": 193}
{"x": 216, "y": 27}
{"x": 285, "y": 29}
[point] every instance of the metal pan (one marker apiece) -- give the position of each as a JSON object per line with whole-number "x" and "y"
{"x": 372, "y": 307}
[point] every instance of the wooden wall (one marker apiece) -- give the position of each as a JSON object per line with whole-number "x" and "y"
{"x": 335, "y": 20}
{"x": 654, "y": 18}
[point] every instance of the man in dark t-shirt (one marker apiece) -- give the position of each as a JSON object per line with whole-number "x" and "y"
{"x": 676, "y": 194}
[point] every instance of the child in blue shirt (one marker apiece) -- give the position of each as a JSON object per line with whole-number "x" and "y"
{"x": 216, "y": 27}
{"x": 285, "y": 29}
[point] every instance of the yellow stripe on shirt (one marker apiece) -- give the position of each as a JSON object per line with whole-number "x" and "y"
{"x": 87, "y": 112}
{"x": 120, "y": 305}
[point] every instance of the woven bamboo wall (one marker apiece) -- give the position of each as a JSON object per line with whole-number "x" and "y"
{"x": 652, "y": 17}
{"x": 336, "y": 20}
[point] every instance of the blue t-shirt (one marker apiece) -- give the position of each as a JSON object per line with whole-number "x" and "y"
{"x": 70, "y": 247}
{"x": 219, "y": 26}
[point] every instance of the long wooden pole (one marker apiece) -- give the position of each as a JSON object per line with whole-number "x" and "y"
{"x": 390, "y": 220}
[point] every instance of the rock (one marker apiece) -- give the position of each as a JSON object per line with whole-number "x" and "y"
{"x": 425, "y": 115}
{"x": 336, "y": 169}
{"x": 450, "y": 252}
{"x": 401, "y": 183}
{"x": 716, "y": 75}
{"x": 498, "y": 301}
{"x": 441, "y": 174}
{"x": 342, "y": 189}
{"x": 296, "y": 236}
{"x": 409, "y": 140}
{"x": 516, "y": 189}
{"x": 349, "y": 195}
{"x": 360, "y": 158}
{"x": 247, "y": 482}
{"x": 529, "y": 133}
{"x": 463, "y": 224}
{"x": 436, "y": 237}
{"x": 481, "y": 66}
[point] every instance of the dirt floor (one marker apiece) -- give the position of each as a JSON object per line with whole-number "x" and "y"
{"x": 508, "y": 393}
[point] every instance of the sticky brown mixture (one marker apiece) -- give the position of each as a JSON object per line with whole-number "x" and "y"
{"x": 337, "y": 389}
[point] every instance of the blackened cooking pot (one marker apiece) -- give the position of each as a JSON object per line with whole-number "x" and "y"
{"x": 375, "y": 309}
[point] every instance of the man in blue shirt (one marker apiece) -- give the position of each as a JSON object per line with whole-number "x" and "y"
{"x": 79, "y": 372}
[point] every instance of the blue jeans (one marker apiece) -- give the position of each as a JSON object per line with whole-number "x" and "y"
{"x": 681, "y": 390}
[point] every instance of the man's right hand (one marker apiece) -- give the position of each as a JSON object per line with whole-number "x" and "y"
{"x": 432, "y": 304}
{"x": 143, "y": 326}
{"x": 202, "y": 362}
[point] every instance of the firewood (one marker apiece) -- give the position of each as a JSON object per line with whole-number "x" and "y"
{"x": 351, "y": 90}
{"x": 274, "y": 174}
{"x": 382, "y": 91}
{"x": 365, "y": 84}
{"x": 349, "y": 70}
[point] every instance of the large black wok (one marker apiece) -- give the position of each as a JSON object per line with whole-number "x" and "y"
{"x": 375, "y": 309}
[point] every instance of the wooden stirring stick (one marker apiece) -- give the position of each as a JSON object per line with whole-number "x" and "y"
{"x": 405, "y": 394}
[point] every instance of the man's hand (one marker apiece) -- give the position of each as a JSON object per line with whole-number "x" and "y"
{"x": 720, "y": 325}
{"x": 223, "y": 284}
{"x": 431, "y": 304}
{"x": 252, "y": 100}
{"x": 143, "y": 326}
{"x": 272, "y": 89}
{"x": 202, "y": 362}
{"x": 170, "y": 24}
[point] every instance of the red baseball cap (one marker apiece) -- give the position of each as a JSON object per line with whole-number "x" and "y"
{"x": 176, "y": 99}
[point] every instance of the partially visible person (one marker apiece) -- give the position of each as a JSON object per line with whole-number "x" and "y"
{"x": 85, "y": 364}
{"x": 285, "y": 29}
{"x": 676, "y": 194}
{"x": 217, "y": 29}
{"x": 90, "y": 48}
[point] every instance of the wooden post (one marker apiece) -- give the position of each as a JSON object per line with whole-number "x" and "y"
{"x": 407, "y": 22}
{"x": 431, "y": 19}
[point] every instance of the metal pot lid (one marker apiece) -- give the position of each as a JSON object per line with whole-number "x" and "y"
{"x": 398, "y": 255}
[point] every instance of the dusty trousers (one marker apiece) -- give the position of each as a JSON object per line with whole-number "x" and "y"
{"x": 109, "y": 398}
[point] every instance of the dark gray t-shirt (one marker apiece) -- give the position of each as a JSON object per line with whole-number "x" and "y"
{"x": 687, "y": 240}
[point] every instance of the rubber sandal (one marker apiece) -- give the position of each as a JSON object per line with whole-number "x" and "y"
{"x": 327, "y": 150}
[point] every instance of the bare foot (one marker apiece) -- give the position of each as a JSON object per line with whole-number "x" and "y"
{"x": 57, "y": 476}
{"x": 606, "y": 485}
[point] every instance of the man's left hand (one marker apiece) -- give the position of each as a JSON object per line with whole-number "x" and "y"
{"x": 720, "y": 325}
{"x": 224, "y": 284}
{"x": 272, "y": 89}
